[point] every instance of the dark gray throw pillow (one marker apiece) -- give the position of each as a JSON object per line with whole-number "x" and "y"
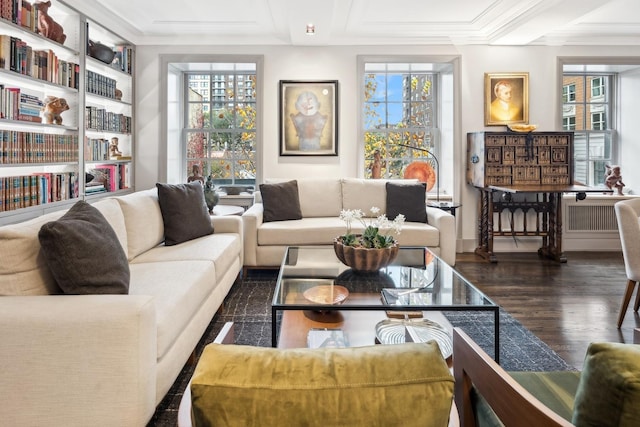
{"x": 281, "y": 201}
{"x": 407, "y": 199}
{"x": 184, "y": 212}
{"x": 84, "y": 254}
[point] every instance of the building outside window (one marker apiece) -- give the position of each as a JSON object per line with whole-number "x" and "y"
{"x": 220, "y": 129}
{"x": 588, "y": 109}
{"x": 399, "y": 107}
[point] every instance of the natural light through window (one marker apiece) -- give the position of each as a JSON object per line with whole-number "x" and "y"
{"x": 220, "y": 122}
{"x": 400, "y": 109}
{"x": 588, "y": 103}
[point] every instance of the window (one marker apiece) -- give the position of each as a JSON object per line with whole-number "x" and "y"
{"x": 597, "y": 87}
{"x": 399, "y": 107}
{"x": 220, "y": 122}
{"x": 569, "y": 123}
{"x": 569, "y": 93}
{"x": 587, "y": 109}
{"x": 598, "y": 121}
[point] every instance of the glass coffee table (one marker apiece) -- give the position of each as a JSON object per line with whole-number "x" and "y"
{"x": 314, "y": 288}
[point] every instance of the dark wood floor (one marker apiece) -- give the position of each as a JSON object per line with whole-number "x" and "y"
{"x": 567, "y": 305}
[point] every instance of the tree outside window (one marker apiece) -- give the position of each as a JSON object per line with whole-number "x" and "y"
{"x": 220, "y": 131}
{"x": 399, "y": 108}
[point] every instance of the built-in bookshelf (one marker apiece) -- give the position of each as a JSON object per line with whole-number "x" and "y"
{"x": 48, "y": 162}
{"x": 108, "y": 120}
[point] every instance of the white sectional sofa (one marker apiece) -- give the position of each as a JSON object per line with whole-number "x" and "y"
{"x": 107, "y": 360}
{"x": 321, "y": 201}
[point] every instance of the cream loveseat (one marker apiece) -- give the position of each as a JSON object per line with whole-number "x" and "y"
{"x": 321, "y": 201}
{"x": 107, "y": 360}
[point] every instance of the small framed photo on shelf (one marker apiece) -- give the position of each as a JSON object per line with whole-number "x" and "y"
{"x": 308, "y": 118}
{"x": 506, "y": 98}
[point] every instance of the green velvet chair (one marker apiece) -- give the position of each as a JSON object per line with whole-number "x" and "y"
{"x": 605, "y": 394}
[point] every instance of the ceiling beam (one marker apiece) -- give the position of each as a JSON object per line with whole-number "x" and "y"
{"x": 543, "y": 18}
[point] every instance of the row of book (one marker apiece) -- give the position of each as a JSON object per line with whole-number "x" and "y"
{"x": 101, "y": 85}
{"x": 16, "y": 55}
{"x": 18, "y": 104}
{"x": 103, "y": 120}
{"x": 108, "y": 178}
{"x": 20, "y": 12}
{"x": 123, "y": 59}
{"x": 96, "y": 149}
{"x": 18, "y": 147}
{"x": 17, "y": 192}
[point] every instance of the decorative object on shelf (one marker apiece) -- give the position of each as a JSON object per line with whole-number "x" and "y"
{"x": 326, "y": 294}
{"x": 114, "y": 152}
{"x": 195, "y": 175}
{"x": 210, "y": 196}
{"x": 613, "y": 179}
{"x": 371, "y": 250}
{"x": 376, "y": 165}
{"x": 514, "y": 127}
{"x": 47, "y": 26}
{"x": 101, "y": 52}
{"x": 398, "y": 331}
{"x": 53, "y": 107}
{"x": 118, "y": 94}
{"x": 506, "y": 98}
{"x": 423, "y": 171}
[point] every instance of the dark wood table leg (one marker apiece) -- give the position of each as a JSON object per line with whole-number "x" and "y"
{"x": 485, "y": 226}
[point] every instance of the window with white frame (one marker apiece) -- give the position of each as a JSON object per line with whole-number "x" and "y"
{"x": 569, "y": 93}
{"x": 220, "y": 122}
{"x": 399, "y": 109}
{"x": 588, "y": 108}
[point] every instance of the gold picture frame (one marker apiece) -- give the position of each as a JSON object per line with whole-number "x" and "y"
{"x": 308, "y": 118}
{"x": 506, "y": 98}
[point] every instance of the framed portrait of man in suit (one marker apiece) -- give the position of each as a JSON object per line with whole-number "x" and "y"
{"x": 506, "y": 98}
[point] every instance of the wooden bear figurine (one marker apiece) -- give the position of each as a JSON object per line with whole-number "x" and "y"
{"x": 47, "y": 26}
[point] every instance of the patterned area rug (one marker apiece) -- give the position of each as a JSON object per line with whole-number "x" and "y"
{"x": 248, "y": 305}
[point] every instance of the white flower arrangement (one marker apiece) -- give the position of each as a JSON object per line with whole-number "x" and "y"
{"x": 373, "y": 235}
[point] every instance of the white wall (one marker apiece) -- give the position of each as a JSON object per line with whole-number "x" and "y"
{"x": 340, "y": 63}
{"x": 628, "y": 122}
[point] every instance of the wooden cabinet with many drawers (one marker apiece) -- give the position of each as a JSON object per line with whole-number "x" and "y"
{"x": 517, "y": 159}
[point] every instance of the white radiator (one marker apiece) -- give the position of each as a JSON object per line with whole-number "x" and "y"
{"x": 590, "y": 224}
{"x": 584, "y": 217}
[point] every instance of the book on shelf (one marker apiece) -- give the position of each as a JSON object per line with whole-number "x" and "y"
{"x": 109, "y": 175}
{"x": 17, "y": 192}
{"x": 328, "y": 338}
{"x": 92, "y": 188}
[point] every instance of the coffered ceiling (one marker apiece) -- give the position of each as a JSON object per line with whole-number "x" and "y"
{"x": 370, "y": 22}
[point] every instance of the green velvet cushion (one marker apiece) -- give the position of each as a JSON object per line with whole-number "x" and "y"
{"x": 408, "y": 200}
{"x": 281, "y": 201}
{"x": 184, "y": 212}
{"x": 84, "y": 254}
{"x": 609, "y": 390}
{"x": 384, "y": 385}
